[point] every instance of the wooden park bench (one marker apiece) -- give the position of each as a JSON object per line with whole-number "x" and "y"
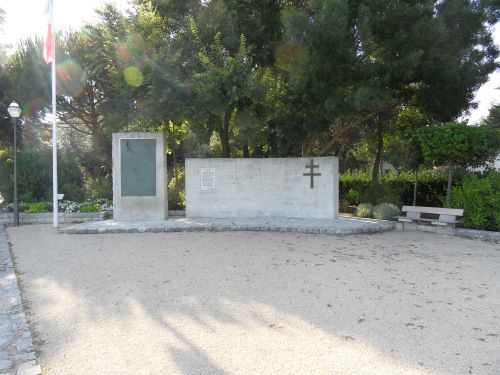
{"x": 435, "y": 216}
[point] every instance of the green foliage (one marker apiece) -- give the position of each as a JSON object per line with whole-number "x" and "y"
{"x": 224, "y": 86}
{"x": 480, "y": 199}
{"x": 364, "y": 210}
{"x": 176, "y": 195}
{"x": 459, "y": 144}
{"x": 99, "y": 205}
{"x": 366, "y": 58}
{"x": 9, "y": 207}
{"x": 493, "y": 119}
{"x": 34, "y": 208}
{"x": 394, "y": 188}
{"x": 385, "y": 211}
{"x": 91, "y": 208}
{"x": 257, "y": 78}
{"x": 34, "y": 177}
{"x": 98, "y": 188}
{"x": 380, "y": 192}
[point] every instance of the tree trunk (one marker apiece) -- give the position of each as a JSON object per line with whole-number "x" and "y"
{"x": 246, "y": 151}
{"x": 415, "y": 189}
{"x": 102, "y": 143}
{"x": 378, "y": 156}
{"x": 174, "y": 156}
{"x": 273, "y": 142}
{"x": 448, "y": 193}
{"x": 344, "y": 161}
{"x": 224, "y": 134}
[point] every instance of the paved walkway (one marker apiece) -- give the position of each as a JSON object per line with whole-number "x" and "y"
{"x": 17, "y": 355}
{"x": 318, "y": 226}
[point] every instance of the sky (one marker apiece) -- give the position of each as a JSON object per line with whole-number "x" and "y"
{"x": 26, "y": 18}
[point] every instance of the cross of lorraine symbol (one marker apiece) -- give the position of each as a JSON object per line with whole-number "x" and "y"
{"x": 311, "y": 173}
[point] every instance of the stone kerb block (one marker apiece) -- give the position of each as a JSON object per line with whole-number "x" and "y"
{"x": 280, "y": 187}
{"x": 139, "y": 177}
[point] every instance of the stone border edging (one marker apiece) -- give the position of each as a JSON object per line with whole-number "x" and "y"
{"x": 478, "y": 234}
{"x": 17, "y": 355}
{"x": 180, "y": 225}
{"x": 66, "y": 217}
{"x": 46, "y": 217}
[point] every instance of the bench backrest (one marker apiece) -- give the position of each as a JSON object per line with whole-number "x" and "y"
{"x": 413, "y": 215}
{"x": 434, "y": 210}
{"x": 447, "y": 218}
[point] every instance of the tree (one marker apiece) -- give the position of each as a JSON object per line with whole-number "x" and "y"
{"x": 404, "y": 150}
{"x": 96, "y": 90}
{"x": 361, "y": 61}
{"x": 455, "y": 144}
{"x": 493, "y": 119}
{"x": 5, "y": 99}
{"x": 223, "y": 87}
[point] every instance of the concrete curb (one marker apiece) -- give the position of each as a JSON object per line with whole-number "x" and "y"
{"x": 17, "y": 355}
{"x": 478, "y": 234}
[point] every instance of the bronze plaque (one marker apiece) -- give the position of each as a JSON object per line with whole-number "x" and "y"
{"x": 138, "y": 167}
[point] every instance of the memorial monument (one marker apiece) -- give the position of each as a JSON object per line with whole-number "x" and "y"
{"x": 139, "y": 177}
{"x": 287, "y": 188}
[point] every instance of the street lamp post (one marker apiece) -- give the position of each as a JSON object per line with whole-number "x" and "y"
{"x": 14, "y": 112}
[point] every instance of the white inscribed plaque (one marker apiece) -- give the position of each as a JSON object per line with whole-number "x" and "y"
{"x": 207, "y": 179}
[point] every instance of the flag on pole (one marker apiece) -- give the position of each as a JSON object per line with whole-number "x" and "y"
{"x": 48, "y": 47}
{"x": 49, "y": 54}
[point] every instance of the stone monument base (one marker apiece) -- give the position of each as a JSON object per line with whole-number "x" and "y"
{"x": 317, "y": 226}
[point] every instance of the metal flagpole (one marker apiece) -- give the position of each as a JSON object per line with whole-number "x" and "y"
{"x": 55, "y": 200}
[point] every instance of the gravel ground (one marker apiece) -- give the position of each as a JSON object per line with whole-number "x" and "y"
{"x": 261, "y": 303}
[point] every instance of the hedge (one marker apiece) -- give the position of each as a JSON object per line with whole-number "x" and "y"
{"x": 480, "y": 199}
{"x": 356, "y": 188}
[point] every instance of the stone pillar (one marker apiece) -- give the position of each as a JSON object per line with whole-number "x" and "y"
{"x": 139, "y": 177}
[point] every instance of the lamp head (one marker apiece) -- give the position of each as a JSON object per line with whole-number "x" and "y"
{"x": 14, "y": 110}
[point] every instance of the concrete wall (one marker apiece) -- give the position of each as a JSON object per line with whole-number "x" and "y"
{"x": 145, "y": 207}
{"x": 262, "y": 188}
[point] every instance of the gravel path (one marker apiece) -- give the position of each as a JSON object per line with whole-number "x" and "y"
{"x": 261, "y": 303}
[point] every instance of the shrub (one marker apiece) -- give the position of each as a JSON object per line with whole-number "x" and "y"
{"x": 91, "y": 208}
{"x": 98, "y": 188}
{"x": 364, "y": 210}
{"x": 480, "y": 199}
{"x": 35, "y": 208}
{"x": 99, "y": 205}
{"x": 34, "y": 176}
{"x": 382, "y": 192}
{"x": 385, "y": 211}
{"x": 176, "y": 194}
{"x": 356, "y": 187}
{"x": 9, "y": 207}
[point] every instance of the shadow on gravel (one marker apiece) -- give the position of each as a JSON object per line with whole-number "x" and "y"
{"x": 407, "y": 302}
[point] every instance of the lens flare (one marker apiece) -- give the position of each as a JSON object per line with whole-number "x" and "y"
{"x": 26, "y": 108}
{"x": 133, "y": 76}
{"x": 32, "y": 107}
{"x": 132, "y": 50}
{"x": 71, "y": 78}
